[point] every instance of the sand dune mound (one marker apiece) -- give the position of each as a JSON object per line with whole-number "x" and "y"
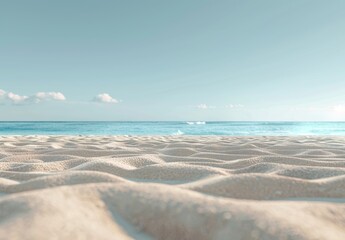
{"x": 172, "y": 187}
{"x": 266, "y": 187}
{"x": 70, "y": 178}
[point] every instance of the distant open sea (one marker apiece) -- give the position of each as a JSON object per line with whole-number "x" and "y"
{"x": 173, "y": 128}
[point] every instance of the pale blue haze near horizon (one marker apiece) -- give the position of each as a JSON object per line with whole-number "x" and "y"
{"x": 174, "y": 60}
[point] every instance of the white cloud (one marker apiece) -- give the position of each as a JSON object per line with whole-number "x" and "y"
{"x": 234, "y": 106}
{"x": 38, "y": 97}
{"x": 16, "y": 99}
{"x": 339, "y": 109}
{"x": 58, "y": 96}
{"x": 105, "y": 98}
{"x": 202, "y": 106}
{"x": 2, "y": 93}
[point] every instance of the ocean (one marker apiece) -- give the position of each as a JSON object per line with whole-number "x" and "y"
{"x": 173, "y": 128}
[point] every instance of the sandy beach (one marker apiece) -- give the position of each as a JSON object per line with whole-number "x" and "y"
{"x": 172, "y": 187}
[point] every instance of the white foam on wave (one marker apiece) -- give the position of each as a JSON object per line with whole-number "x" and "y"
{"x": 196, "y": 123}
{"x": 179, "y": 132}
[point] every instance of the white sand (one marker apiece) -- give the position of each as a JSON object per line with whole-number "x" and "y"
{"x": 179, "y": 187}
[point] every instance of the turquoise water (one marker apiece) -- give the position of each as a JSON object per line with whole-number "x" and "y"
{"x": 172, "y": 128}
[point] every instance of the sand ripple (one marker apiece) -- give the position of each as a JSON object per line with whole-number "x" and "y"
{"x": 177, "y": 187}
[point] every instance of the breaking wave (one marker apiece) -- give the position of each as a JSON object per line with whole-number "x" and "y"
{"x": 196, "y": 123}
{"x": 179, "y": 132}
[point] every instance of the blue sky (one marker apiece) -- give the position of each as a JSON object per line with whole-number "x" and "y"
{"x": 172, "y": 60}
